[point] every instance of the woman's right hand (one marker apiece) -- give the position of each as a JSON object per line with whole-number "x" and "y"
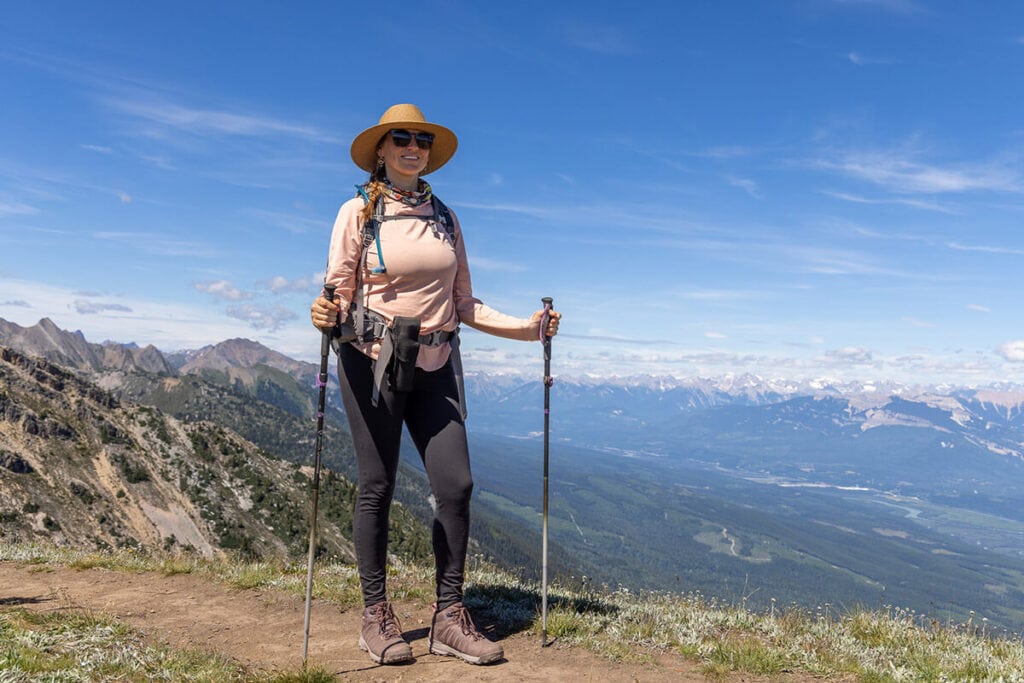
{"x": 324, "y": 313}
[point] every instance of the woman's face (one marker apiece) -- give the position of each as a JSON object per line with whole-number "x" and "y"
{"x": 406, "y": 162}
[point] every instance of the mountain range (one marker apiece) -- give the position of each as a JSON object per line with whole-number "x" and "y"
{"x": 760, "y": 491}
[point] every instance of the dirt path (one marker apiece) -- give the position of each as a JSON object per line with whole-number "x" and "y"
{"x": 262, "y": 629}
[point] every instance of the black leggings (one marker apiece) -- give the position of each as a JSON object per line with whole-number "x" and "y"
{"x": 431, "y": 413}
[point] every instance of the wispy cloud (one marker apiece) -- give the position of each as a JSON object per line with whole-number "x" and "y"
{"x": 979, "y": 308}
{"x": 289, "y": 222}
{"x": 205, "y": 121}
{"x": 905, "y": 7}
{"x": 97, "y": 148}
{"x": 723, "y": 152}
{"x": 262, "y": 317}
{"x": 917, "y": 323}
{"x": 606, "y": 40}
{"x": 851, "y": 354}
{"x": 719, "y": 294}
{"x": 824, "y": 261}
{"x": 902, "y": 172}
{"x": 484, "y": 263}
{"x": 17, "y": 303}
{"x": 91, "y": 307}
{"x": 525, "y": 209}
{"x": 902, "y": 201}
{"x": 985, "y": 249}
{"x": 747, "y": 185}
{"x": 156, "y": 244}
{"x": 16, "y": 209}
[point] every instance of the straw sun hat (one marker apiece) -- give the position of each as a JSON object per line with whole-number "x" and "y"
{"x": 364, "y": 147}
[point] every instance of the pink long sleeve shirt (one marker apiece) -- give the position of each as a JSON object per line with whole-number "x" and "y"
{"x": 427, "y": 277}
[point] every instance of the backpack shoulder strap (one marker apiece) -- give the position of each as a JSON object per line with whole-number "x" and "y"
{"x": 371, "y": 234}
{"x": 443, "y": 216}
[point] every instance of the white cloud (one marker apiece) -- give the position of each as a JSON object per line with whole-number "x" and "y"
{"x": 124, "y": 197}
{"x": 715, "y": 335}
{"x": 855, "y": 58}
{"x": 1012, "y": 351}
{"x": 168, "y": 326}
{"x": 281, "y": 285}
{"x": 979, "y": 308}
{"x": 97, "y": 148}
{"x": 917, "y": 323}
{"x": 222, "y": 289}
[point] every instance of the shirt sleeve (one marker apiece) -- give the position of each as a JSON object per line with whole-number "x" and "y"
{"x": 476, "y": 313}
{"x": 345, "y": 252}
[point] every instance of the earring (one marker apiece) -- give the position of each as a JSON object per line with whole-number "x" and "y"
{"x": 380, "y": 162}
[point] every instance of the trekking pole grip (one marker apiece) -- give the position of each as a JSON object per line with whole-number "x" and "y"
{"x": 328, "y": 333}
{"x": 545, "y": 318}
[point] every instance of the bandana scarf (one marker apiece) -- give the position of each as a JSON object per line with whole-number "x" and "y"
{"x": 421, "y": 195}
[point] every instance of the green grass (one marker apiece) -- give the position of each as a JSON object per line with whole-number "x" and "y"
{"x": 67, "y": 646}
{"x": 888, "y": 644}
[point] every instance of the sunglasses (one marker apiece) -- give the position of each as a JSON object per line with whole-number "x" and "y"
{"x": 403, "y": 138}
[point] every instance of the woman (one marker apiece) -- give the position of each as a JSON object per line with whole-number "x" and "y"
{"x": 398, "y": 261}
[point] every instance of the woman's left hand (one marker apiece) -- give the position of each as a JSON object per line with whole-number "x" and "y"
{"x": 555, "y": 316}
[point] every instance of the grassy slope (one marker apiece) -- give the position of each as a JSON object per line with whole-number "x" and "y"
{"x": 883, "y": 645}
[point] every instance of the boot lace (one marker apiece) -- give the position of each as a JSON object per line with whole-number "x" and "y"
{"x": 387, "y": 622}
{"x": 461, "y": 616}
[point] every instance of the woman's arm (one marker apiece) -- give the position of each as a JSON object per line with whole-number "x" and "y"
{"x": 480, "y": 316}
{"x": 343, "y": 264}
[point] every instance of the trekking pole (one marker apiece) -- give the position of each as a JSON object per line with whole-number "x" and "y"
{"x": 321, "y": 383}
{"x": 544, "y": 320}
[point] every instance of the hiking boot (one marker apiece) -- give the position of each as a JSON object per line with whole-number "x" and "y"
{"x": 382, "y": 635}
{"x": 452, "y": 633}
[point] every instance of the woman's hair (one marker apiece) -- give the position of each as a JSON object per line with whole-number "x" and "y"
{"x": 374, "y": 186}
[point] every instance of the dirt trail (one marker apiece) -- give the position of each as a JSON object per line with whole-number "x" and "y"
{"x": 262, "y": 629}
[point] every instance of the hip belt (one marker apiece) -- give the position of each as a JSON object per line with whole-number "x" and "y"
{"x": 399, "y": 347}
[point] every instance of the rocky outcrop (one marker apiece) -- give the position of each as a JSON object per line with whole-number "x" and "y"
{"x": 113, "y": 474}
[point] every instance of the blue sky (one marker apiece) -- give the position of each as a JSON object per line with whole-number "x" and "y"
{"x": 796, "y": 188}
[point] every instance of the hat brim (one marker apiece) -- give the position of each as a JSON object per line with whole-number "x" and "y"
{"x": 364, "y": 146}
